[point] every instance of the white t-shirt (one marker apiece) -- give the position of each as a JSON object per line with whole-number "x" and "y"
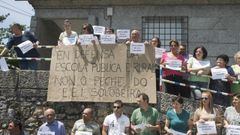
{"x": 66, "y": 39}
{"x": 116, "y": 126}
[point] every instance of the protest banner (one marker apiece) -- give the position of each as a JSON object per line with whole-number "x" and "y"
{"x": 101, "y": 73}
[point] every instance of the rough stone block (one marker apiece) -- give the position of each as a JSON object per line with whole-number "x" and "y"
{"x": 7, "y": 92}
{"x": 33, "y": 79}
{"x": 8, "y": 79}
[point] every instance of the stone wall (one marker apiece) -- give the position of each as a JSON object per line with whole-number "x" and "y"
{"x": 23, "y": 96}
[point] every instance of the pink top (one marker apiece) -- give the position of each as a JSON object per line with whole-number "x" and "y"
{"x": 167, "y": 72}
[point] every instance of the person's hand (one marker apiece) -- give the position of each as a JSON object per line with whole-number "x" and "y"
{"x": 225, "y": 125}
{"x": 200, "y": 72}
{"x": 149, "y": 126}
{"x": 201, "y": 120}
{"x": 78, "y": 42}
{"x": 146, "y": 43}
{"x": 137, "y": 130}
{"x": 229, "y": 77}
{"x": 128, "y": 42}
{"x": 169, "y": 132}
{"x": 35, "y": 45}
{"x": 60, "y": 43}
{"x": 189, "y": 132}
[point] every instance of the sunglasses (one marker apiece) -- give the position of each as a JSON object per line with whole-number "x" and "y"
{"x": 117, "y": 107}
{"x": 204, "y": 98}
{"x": 84, "y": 28}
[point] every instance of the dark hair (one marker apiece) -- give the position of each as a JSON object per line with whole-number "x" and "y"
{"x": 118, "y": 102}
{"x": 224, "y": 57}
{"x": 174, "y": 41}
{"x": 111, "y": 29}
{"x": 17, "y": 25}
{"x": 178, "y": 99}
{"x": 205, "y": 53}
{"x": 66, "y": 21}
{"x": 144, "y": 96}
{"x": 89, "y": 28}
{"x": 183, "y": 45}
{"x": 158, "y": 40}
{"x": 17, "y": 123}
{"x": 236, "y": 95}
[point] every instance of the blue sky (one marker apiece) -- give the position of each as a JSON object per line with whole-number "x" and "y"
{"x": 20, "y": 12}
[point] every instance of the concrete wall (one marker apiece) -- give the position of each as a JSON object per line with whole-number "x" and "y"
{"x": 214, "y": 26}
{"x": 23, "y": 96}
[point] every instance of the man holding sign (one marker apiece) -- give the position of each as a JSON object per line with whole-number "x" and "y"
{"x": 68, "y": 37}
{"x": 116, "y": 123}
{"x": 145, "y": 120}
{"x": 52, "y": 126}
{"x": 86, "y": 125}
{"x": 135, "y": 37}
{"x": 29, "y": 46}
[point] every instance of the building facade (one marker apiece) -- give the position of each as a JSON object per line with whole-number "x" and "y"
{"x": 212, "y": 23}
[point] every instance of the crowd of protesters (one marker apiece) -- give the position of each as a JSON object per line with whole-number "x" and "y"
{"x": 178, "y": 66}
{"x": 145, "y": 120}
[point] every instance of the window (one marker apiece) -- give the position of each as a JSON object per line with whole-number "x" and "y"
{"x": 166, "y": 28}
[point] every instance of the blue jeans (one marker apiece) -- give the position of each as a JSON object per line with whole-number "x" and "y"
{"x": 196, "y": 92}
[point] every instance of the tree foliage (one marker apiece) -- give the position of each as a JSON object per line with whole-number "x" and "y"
{"x": 3, "y": 31}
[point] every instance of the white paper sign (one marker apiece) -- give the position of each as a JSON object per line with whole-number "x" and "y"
{"x": 25, "y": 46}
{"x": 159, "y": 52}
{"x": 69, "y": 40}
{"x": 141, "y": 126}
{"x": 218, "y": 73}
{"x": 45, "y": 133}
{"x": 86, "y": 39}
{"x": 174, "y": 132}
{"x": 233, "y": 130}
{"x": 83, "y": 133}
{"x": 208, "y": 127}
{"x": 201, "y": 64}
{"x": 137, "y": 48}
{"x": 3, "y": 65}
{"x": 98, "y": 30}
{"x": 108, "y": 39}
{"x": 174, "y": 64}
{"x": 123, "y": 34}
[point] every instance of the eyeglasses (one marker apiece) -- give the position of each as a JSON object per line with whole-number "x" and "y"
{"x": 117, "y": 107}
{"x": 204, "y": 98}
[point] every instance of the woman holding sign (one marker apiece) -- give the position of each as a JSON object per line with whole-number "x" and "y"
{"x": 232, "y": 113}
{"x": 173, "y": 63}
{"x": 236, "y": 68}
{"x": 219, "y": 72}
{"x": 87, "y": 37}
{"x": 206, "y": 114}
{"x": 198, "y": 65}
{"x": 177, "y": 119}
